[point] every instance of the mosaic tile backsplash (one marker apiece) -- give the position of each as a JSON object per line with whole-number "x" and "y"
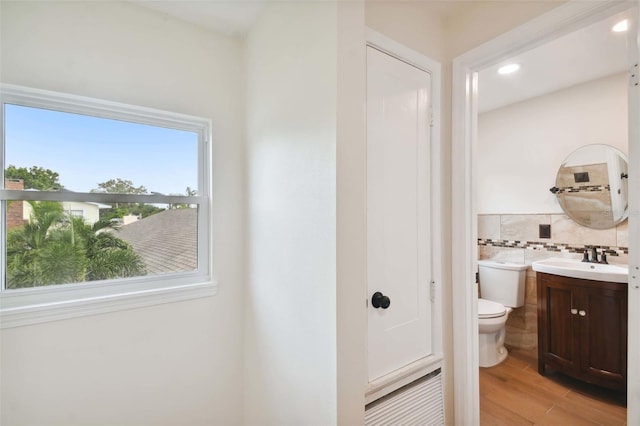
{"x": 553, "y": 247}
{"x": 516, "y": 238}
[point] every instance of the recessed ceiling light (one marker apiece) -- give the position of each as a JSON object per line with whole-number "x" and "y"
{"x": 621, "y": 26}
{"x": 508, "y": 69}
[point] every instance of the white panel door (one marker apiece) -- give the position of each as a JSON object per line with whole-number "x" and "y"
{"x": 398, "y": 213}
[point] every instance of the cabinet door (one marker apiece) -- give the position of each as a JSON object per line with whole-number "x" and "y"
{"x": 603, "y": 334}
{"x": 558, "y": 334}
{"x": 398, "y": 213}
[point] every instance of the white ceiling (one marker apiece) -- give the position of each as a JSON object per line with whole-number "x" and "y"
{"x": 231, "y": 17}
{"x": 235, "y": 17}
{"x": 588, "y": 54}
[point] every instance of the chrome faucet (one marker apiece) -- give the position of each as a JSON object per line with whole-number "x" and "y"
{"x": 594, "y": 255}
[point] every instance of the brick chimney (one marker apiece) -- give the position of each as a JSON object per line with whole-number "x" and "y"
{"x": 15, "y": 208}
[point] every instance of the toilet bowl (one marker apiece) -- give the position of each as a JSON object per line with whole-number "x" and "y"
{"x": 502, "y": 288}
{"x": 492, "y": 317}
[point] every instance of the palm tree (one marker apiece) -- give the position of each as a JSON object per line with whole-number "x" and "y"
{"x": 108, "y": 257}
{"x": 38, "y": 253}
{"x": 55, "y": 249}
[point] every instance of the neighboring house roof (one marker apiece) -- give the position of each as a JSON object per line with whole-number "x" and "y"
{"x": 166, "y": 241}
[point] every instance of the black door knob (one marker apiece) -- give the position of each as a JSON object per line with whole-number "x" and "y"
{"x": 379, "y": 300}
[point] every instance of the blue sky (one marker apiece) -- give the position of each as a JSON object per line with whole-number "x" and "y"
{"x": 87, "y": 150}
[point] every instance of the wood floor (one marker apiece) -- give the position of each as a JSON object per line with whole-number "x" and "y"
{"x": 513, "y": 393}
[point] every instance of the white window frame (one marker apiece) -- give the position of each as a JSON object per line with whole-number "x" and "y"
{"x": 26, "y": 306}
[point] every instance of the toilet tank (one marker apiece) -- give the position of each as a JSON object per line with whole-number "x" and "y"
{"x": 502, "y": 282}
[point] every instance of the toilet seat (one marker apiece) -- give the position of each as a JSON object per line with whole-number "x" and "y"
{"x": 490, "y": 309}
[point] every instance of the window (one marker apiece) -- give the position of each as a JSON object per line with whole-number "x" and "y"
{"x": 103, "y": 206}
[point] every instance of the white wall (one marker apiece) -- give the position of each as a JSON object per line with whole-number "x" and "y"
{"x": 182, "y": 363}
{"x": 476, "y": 22}
{"x": 179, "y": 363}
{"x": 414, "y": 24}
{"x": 521, "y": 146}
{"x": 290, "y": 329}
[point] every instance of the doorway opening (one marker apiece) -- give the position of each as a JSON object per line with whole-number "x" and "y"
{"x": 467, "y": 184}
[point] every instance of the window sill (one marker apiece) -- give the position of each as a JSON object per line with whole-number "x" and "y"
{"x": 35, "y": 313}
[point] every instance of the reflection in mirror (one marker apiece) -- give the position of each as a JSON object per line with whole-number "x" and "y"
{"x": 592, "y": 186}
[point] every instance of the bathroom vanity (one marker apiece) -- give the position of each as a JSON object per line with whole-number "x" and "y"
{"x": 582, "y": 329}
{"x": 582, "y": 305}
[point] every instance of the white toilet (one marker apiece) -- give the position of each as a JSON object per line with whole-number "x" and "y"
{"x": 501, "y": 289}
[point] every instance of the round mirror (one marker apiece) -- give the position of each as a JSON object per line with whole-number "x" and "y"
{"x": 592, "y": 185}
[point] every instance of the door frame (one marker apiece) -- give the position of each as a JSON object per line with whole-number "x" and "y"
{"x": 561, "y": 20}
{"x": 403, "y": 376}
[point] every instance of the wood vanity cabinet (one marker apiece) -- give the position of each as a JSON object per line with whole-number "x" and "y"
{"x": 582, "y": 329}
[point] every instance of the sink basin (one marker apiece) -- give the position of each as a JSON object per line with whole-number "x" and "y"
{"x": 577, "y": 269}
